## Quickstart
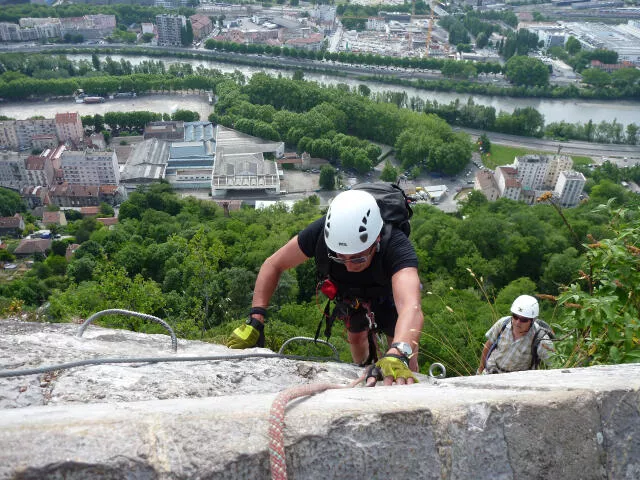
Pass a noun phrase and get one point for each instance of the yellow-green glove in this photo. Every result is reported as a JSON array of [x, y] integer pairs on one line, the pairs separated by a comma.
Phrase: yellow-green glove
[[249, 335], [393, 366]]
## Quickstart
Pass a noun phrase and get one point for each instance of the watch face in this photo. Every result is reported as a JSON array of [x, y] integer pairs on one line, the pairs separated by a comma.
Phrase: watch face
[[404, 348]]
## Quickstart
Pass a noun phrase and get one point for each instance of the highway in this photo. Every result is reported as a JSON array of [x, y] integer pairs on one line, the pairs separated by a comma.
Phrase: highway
[[594, 150]]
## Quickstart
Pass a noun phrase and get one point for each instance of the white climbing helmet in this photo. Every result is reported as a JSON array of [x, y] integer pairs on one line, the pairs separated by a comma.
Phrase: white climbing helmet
[[353, 222], [525, 306]]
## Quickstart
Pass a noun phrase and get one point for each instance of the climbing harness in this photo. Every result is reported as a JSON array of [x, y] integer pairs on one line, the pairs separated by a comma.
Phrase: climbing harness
[[344, 309]]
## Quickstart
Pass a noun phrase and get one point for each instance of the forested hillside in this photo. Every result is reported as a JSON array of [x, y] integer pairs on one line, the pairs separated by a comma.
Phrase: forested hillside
[[183, 260]]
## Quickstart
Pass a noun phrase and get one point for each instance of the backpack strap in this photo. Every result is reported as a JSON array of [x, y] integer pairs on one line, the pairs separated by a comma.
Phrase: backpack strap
[[542, 329], [494, 345]]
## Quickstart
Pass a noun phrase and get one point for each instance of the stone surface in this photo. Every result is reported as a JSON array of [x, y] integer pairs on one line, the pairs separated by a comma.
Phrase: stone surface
[[209, 420]]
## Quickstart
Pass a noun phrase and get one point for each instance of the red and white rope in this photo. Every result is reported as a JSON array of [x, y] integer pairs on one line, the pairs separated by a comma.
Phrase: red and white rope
[[276, 422]]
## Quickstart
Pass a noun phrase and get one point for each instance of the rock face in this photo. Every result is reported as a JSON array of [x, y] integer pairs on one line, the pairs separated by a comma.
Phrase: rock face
[[209, 419]]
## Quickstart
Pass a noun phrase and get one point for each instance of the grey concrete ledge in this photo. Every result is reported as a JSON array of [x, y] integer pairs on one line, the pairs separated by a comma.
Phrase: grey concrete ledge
[[209, 420], [570, 424]]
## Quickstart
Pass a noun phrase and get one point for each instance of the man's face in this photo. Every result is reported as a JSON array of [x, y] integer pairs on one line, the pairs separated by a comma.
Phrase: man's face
[[356, 262], [520, 324]]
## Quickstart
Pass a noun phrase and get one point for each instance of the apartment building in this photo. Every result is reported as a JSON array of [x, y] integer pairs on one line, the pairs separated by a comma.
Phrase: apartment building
[[532, 175], [39, 170], [46, 27], [486, 183], [67, 195], [41, 133], [13, 173], [376, 23], [531, 170], [27, 129], [508, 183], [89, 26], [8, 135], [69, 127], [170, 29], [35, 196], [42, 142], [90, 168], [557, 164], [569, 188]]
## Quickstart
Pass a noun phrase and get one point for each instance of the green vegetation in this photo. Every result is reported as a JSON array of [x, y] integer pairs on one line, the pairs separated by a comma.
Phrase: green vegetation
[[10, 203], [185, 261]]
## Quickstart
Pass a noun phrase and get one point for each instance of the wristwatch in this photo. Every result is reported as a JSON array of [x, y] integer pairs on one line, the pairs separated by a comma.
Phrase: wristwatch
[[255, 323], [404, 348]]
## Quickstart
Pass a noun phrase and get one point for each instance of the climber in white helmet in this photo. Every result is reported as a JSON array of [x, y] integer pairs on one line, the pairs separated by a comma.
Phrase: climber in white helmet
[[369, 271], [517, 342]]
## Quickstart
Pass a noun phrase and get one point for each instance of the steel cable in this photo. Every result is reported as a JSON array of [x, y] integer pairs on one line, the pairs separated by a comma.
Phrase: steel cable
[[103, 361]]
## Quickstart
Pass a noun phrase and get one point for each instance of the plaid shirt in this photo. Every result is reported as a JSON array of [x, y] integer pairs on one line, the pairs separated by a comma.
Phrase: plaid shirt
[[512, 355]]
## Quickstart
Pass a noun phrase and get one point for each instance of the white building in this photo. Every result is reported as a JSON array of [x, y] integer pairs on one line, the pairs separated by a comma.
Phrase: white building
[[90, 168], [508, 183], [624, 39], [376, 23], [557, 164], [531, 170], [569, 188]]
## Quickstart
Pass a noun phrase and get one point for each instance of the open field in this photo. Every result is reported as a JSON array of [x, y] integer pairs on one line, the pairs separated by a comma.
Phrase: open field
[[504, 155]]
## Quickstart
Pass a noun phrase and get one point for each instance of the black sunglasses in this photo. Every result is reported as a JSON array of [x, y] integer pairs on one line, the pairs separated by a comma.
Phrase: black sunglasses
[[521, 319]]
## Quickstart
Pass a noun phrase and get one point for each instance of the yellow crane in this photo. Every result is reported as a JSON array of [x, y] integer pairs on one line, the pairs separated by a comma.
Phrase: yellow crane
[[428, 42]]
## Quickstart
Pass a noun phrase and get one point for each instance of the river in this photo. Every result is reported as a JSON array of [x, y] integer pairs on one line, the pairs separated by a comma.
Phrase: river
[[570, 111]]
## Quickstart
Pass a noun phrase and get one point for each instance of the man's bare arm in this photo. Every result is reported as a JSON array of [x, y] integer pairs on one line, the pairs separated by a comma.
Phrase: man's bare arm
[[288, 256], [406, 296]]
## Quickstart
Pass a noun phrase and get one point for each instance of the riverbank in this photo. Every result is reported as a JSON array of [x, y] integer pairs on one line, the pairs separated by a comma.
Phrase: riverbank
[[389, 74]]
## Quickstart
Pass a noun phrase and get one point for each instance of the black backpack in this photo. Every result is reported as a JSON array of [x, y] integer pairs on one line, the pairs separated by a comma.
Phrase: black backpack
[[543, 327], [395, 210], [395, 205]]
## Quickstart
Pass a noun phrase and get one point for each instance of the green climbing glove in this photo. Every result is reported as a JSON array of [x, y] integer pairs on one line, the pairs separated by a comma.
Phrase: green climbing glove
[[394, 366], [249, 335]]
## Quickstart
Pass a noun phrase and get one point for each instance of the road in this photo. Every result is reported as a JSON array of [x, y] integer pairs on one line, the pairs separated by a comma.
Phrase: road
[[573, 147]]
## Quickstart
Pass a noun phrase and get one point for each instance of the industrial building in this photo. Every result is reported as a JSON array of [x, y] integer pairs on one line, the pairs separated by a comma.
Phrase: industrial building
[[240, 164], [624, 39]]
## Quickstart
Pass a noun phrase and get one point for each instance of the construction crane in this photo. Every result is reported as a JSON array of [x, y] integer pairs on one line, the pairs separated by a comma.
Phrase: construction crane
[[428, 42]]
